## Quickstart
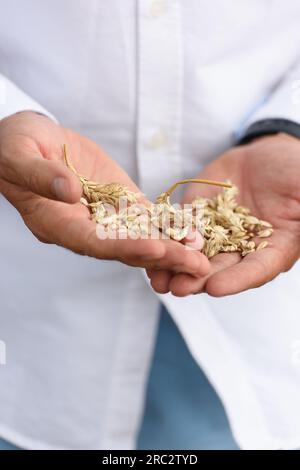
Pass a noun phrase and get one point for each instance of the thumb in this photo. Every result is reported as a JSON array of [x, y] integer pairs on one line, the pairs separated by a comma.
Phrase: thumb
[[47, 178], [194, 240]]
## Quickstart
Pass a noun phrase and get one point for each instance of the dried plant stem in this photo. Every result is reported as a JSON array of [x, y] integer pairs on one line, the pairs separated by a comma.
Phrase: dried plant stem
[[70, 165], [67, 161], [164, 198], [196, 180]]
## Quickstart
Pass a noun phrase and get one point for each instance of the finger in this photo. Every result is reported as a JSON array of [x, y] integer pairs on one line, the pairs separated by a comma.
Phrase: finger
[[178, 259], [253, 271], [80, 235], [76, 231], [149, 272], [27, 169], [160, 281], [194, 240], [182, 285], [256, 268]]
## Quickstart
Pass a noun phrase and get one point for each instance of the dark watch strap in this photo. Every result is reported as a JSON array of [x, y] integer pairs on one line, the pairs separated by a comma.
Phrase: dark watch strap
[[269, 127]]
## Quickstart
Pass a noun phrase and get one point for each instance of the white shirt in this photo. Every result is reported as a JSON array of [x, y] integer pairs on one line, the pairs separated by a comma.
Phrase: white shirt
[[164, 86]]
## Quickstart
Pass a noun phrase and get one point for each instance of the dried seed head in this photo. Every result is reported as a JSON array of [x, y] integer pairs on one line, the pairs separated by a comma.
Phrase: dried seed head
[[225, 225], [163, 198], [108, 193]]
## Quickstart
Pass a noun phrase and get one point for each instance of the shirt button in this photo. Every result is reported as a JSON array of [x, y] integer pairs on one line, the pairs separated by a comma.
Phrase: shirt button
[[157, 140], [157, 8]]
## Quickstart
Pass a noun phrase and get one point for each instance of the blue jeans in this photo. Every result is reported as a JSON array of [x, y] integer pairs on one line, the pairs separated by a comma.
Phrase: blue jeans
[[4, 445], [182, 409]]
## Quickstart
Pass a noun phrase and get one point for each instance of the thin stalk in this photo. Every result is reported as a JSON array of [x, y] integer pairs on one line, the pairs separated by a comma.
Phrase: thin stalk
[[67, 160], [195, 180]]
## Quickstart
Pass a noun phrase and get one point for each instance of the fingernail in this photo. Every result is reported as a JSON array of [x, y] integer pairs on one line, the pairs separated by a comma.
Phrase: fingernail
[[60, 189]]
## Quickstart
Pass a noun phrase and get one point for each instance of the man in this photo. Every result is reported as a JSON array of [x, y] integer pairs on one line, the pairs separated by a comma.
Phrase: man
[[160, 90]]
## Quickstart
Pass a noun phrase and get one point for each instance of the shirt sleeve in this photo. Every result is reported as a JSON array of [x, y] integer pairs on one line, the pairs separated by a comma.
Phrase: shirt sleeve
[[13, 100], [282, 103]]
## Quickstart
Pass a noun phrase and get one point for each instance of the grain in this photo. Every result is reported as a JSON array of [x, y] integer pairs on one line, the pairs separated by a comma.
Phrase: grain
[[262, 245], [225, 225]]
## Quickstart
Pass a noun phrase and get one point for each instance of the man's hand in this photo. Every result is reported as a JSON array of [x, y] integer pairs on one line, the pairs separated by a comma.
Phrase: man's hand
[[267, 172], [34, 178]]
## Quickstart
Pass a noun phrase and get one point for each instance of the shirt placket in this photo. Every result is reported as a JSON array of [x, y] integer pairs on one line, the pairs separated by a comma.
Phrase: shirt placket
[[159, 94]]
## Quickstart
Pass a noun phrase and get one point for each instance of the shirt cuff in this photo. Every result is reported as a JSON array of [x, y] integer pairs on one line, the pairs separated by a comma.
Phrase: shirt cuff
[[14, 100], [269, 127]]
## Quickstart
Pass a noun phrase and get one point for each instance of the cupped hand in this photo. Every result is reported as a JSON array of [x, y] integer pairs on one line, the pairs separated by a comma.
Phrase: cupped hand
[[267, 173], [35, 180]]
